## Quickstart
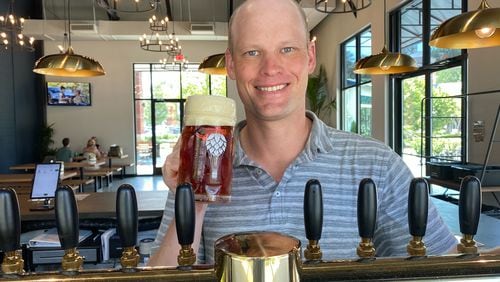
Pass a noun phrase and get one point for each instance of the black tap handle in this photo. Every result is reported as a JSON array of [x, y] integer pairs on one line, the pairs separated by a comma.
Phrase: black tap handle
[[67, 220], [126, 215], [418, 203], [184, 214], [10, 221], [313, 210], [367, 208], [469, 205]]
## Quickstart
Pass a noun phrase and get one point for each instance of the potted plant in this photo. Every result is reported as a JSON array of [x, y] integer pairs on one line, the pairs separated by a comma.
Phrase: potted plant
[[317, 94], [45, 143]]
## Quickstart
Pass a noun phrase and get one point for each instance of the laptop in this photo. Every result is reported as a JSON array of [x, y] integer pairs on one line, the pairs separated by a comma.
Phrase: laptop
[[45, 183]]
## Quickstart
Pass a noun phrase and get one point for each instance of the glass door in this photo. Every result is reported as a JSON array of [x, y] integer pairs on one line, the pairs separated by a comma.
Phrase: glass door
[[167, 129]]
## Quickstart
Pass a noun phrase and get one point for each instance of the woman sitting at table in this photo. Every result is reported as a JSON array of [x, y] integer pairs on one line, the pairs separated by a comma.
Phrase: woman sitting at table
[[92, 148]]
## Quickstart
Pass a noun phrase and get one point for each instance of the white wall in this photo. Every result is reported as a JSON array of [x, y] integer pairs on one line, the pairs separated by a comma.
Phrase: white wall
[[111, 116]]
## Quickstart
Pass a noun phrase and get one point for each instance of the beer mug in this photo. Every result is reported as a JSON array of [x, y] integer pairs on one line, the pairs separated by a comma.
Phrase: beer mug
[[206, 153]]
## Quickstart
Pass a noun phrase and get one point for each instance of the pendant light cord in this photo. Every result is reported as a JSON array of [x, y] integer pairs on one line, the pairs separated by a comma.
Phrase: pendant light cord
[[69, 23], [385, 25]]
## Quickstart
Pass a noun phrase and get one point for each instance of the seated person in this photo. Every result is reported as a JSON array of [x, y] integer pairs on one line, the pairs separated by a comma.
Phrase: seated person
[[65, 154], [92, 148]]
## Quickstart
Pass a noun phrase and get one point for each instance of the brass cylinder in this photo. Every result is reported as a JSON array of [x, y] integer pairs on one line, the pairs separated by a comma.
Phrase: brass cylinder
[[365, 248], [257, 256], [186, 256], [12, 263], [467, 245], [416, 247], [313, 251], [129, 258], [71, 261]]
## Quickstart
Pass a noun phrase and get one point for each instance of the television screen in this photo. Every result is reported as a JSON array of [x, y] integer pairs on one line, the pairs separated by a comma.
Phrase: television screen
[[68, 94]]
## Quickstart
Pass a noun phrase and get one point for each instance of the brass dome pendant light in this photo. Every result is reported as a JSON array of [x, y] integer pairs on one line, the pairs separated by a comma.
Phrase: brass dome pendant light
[[385, 62], [214, 64], [67, 63], [475, 29]]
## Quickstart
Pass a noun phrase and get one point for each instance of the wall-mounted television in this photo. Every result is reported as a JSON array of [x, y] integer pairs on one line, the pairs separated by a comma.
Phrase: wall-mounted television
[[68, 94]]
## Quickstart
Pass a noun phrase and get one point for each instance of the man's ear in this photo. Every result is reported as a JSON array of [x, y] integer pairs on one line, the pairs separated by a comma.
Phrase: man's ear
[[229, 64], [311, 51]]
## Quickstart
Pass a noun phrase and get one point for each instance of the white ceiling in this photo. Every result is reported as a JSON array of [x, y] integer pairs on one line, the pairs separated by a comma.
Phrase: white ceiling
[[132, 25]]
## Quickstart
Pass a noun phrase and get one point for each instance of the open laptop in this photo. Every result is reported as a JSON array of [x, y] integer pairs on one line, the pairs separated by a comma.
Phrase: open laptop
[[45, 183]]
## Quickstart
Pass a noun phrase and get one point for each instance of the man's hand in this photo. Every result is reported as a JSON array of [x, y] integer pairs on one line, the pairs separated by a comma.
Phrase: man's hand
[[170, 168]]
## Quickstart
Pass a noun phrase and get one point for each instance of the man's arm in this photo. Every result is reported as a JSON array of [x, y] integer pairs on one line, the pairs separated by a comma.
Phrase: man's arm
[[166, 255]]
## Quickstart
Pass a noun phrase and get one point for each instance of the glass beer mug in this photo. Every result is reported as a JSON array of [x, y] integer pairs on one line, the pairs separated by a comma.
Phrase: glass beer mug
[[206, 154]]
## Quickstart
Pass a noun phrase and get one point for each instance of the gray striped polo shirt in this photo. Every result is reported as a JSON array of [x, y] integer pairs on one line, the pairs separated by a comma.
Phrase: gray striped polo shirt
[[339, 160]]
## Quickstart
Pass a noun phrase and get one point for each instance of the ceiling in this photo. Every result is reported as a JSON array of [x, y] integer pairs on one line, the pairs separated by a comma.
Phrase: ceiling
[[106, 23]]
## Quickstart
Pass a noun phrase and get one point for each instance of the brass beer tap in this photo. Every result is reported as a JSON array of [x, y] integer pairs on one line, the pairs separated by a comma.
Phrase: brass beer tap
[[367, 216], [313, 219], [469, 210], [127, 226], [68, 229], [418, 203], [10, 233], [185, 223]]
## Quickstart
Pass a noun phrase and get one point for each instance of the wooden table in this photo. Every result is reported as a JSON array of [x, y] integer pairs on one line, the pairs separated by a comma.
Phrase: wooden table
[[110, 159], [28, 177], [22, 182], [67, 165], [100, 205]]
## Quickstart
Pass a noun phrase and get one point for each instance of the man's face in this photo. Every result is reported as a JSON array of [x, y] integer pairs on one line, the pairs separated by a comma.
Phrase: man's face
[[271, 60]]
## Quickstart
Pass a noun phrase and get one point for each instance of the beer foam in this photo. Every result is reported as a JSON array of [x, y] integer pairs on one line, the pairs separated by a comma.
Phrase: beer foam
[[209, 110]]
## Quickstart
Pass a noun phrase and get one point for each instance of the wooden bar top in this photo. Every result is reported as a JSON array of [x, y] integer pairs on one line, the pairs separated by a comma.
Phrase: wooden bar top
[[98, 205]]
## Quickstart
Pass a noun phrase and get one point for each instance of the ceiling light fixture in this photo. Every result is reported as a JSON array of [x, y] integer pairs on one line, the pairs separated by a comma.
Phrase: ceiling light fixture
[[341, 6], [385, 62], [11, 31], [158, 42], [179, 59], [67, 63], [474, 29]]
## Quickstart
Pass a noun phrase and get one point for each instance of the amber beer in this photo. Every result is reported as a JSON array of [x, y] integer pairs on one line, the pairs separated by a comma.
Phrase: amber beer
[[207, 147]]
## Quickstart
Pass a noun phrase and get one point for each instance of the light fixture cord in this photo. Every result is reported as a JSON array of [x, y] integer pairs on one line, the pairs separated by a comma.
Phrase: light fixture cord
[[385, 25], [69, 23]]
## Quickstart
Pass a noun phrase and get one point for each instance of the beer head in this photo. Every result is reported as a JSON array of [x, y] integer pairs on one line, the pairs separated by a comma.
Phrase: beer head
[[209, 110]]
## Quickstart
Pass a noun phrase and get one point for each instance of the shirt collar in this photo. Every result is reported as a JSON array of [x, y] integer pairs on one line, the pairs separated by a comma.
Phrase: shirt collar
[[319, 142]]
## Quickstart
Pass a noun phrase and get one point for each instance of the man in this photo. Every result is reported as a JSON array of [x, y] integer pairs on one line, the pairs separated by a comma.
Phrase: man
[[65, 154], [280, 146]]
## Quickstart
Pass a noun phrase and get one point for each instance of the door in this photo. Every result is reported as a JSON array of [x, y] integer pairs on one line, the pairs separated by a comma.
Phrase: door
[[167, 130]]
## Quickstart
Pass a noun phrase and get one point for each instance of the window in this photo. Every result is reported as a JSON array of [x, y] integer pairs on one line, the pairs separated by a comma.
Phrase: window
[[429, 124], [356, 90], [159, 95]]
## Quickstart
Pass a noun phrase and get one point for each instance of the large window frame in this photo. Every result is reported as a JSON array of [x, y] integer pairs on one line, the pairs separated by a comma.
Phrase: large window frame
[[355, 96], [431, 62], [172, 100]]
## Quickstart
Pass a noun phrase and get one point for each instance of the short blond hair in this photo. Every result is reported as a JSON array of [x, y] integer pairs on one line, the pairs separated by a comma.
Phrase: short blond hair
[[236, 12]]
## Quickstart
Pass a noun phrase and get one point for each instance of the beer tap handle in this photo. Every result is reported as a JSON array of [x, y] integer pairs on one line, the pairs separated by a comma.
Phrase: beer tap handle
[[418, 203], [367, 216], [469, 210], [185, 223], [313, 218], [10, 232], [67, 222], [126, 215]]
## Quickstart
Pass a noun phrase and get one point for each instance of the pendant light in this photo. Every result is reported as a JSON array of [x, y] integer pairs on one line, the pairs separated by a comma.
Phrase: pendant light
[[475, 29], [67, 63], [385, 62], [214, 64]]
